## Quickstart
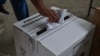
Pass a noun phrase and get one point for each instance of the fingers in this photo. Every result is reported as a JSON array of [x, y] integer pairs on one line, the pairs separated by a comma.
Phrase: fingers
[[50, 19], [53, 17]]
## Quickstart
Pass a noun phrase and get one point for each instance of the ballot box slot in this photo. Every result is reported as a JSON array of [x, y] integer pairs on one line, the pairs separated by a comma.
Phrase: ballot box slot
[[66, 17], [42, 31]]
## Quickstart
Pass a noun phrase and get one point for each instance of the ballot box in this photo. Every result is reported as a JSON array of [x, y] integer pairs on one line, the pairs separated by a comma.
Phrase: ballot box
[[72, 37]]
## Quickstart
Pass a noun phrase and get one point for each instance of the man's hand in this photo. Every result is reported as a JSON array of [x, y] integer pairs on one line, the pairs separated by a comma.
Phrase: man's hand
[[53, 17], [43, 10]]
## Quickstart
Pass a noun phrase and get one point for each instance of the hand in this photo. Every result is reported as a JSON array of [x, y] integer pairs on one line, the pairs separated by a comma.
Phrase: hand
[[43, 10], [53, 17]]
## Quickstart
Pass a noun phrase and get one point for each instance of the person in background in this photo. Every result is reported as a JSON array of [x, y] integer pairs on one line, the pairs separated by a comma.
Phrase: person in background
[[21, 9]]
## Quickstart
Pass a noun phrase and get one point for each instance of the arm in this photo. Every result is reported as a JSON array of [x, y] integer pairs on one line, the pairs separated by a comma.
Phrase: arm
[[53, 17]]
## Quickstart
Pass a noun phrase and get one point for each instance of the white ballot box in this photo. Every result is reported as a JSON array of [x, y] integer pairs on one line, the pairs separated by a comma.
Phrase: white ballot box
[[71, 38]]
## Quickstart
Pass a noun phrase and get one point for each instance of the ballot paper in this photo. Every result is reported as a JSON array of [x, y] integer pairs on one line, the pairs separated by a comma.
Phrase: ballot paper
[[62, 13]]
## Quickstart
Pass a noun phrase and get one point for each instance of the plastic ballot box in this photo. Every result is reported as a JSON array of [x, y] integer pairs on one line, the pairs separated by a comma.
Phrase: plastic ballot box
[[72, 37]]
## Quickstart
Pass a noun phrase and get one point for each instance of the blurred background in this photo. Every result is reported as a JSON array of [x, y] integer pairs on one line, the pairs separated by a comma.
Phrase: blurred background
[[76, 7]]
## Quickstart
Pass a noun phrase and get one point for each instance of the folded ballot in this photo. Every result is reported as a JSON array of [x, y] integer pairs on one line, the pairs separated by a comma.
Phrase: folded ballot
[[62, 13]]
